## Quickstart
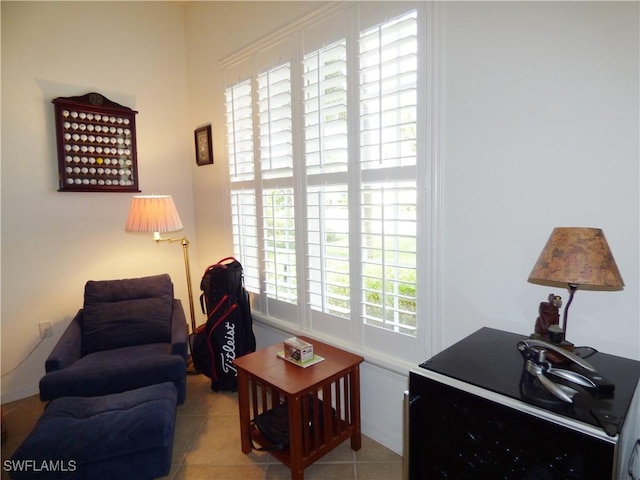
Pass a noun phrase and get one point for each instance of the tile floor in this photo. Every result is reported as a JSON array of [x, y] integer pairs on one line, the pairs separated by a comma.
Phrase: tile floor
[[207, 444]]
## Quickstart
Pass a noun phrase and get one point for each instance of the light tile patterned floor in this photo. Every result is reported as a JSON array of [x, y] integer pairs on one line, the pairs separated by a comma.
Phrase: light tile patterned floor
[[207, 444]]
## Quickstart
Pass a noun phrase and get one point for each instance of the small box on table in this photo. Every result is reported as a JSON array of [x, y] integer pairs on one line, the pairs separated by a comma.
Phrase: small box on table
[[298, 350]]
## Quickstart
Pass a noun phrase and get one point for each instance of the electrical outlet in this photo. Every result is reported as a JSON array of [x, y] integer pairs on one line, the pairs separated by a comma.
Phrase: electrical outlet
[[46, 330]]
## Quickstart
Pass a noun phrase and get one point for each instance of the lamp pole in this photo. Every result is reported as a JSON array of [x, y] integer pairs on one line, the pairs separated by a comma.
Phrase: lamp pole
[[572, 290], [185, 251]]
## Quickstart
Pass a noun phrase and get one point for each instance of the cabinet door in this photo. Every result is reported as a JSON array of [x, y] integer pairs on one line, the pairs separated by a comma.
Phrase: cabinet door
[[456, 435]]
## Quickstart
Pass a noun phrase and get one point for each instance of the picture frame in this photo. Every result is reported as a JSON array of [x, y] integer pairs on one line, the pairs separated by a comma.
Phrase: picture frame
[[204, 149]]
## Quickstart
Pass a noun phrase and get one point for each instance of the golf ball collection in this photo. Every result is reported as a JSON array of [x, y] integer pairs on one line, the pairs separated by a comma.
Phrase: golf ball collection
[[97, 148]]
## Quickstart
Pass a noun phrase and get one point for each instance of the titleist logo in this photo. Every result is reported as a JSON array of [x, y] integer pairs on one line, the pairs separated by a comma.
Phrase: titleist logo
[[228, 353]]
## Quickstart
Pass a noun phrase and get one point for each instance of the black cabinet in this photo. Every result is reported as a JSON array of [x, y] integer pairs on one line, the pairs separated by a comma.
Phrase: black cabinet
[[468, 418]]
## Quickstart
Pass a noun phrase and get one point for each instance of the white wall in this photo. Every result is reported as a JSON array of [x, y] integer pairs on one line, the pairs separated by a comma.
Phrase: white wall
[[541, 130], [53, 242]]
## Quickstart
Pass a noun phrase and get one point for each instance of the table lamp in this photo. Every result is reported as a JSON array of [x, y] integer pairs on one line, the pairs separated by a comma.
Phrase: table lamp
[[157, 214], [576, 257]]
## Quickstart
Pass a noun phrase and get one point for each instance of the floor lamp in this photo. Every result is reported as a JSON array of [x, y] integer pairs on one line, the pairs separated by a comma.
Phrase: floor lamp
[[157, 214]]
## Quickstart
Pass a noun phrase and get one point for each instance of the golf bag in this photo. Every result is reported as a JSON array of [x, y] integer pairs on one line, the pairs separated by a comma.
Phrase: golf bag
[[228, 331]]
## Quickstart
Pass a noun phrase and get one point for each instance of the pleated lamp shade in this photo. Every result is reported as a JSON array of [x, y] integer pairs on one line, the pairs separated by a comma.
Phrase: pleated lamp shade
[[153, 213]]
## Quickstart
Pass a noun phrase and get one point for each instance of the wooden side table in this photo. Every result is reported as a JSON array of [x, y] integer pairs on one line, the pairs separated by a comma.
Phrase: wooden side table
[[264, 381]]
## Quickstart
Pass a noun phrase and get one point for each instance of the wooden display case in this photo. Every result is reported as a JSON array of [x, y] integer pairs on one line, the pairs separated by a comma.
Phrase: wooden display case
[[96, 145]]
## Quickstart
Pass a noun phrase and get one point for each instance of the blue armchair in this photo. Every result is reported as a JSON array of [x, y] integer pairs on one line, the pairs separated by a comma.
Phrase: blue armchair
[[129, 334]]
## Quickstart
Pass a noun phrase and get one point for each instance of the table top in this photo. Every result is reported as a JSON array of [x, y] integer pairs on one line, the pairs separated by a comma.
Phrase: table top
[[292, 379]]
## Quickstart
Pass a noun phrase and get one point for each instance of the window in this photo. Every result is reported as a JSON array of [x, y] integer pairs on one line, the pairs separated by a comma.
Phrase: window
[[328, 250], [389, 256], [278, 229], [324, 161], [388, 145]]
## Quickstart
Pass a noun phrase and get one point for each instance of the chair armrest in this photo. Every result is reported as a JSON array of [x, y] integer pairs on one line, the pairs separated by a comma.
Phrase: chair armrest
[[69, 347], [178, 330]]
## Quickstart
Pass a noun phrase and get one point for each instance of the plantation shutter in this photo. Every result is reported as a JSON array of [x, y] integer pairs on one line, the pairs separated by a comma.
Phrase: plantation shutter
[[324, 160], [240, 149], [388, 71]]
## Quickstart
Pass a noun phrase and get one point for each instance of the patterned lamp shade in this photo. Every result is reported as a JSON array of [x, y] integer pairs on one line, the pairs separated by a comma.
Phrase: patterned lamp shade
[[577, 256]]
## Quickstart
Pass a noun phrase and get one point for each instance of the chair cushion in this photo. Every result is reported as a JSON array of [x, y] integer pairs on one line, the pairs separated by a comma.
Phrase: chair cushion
[[120, 313], [124, 435], [116, 370]]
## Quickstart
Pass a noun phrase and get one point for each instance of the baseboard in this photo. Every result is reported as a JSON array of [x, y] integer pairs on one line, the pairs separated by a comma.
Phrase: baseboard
[[19, 394], [391, 440]]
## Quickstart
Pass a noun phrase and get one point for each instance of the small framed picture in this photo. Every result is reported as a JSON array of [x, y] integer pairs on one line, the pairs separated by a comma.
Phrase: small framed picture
[[204, 150]]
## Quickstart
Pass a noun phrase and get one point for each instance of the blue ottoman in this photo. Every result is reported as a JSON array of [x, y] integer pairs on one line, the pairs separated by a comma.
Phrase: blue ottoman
[[126, 435]]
